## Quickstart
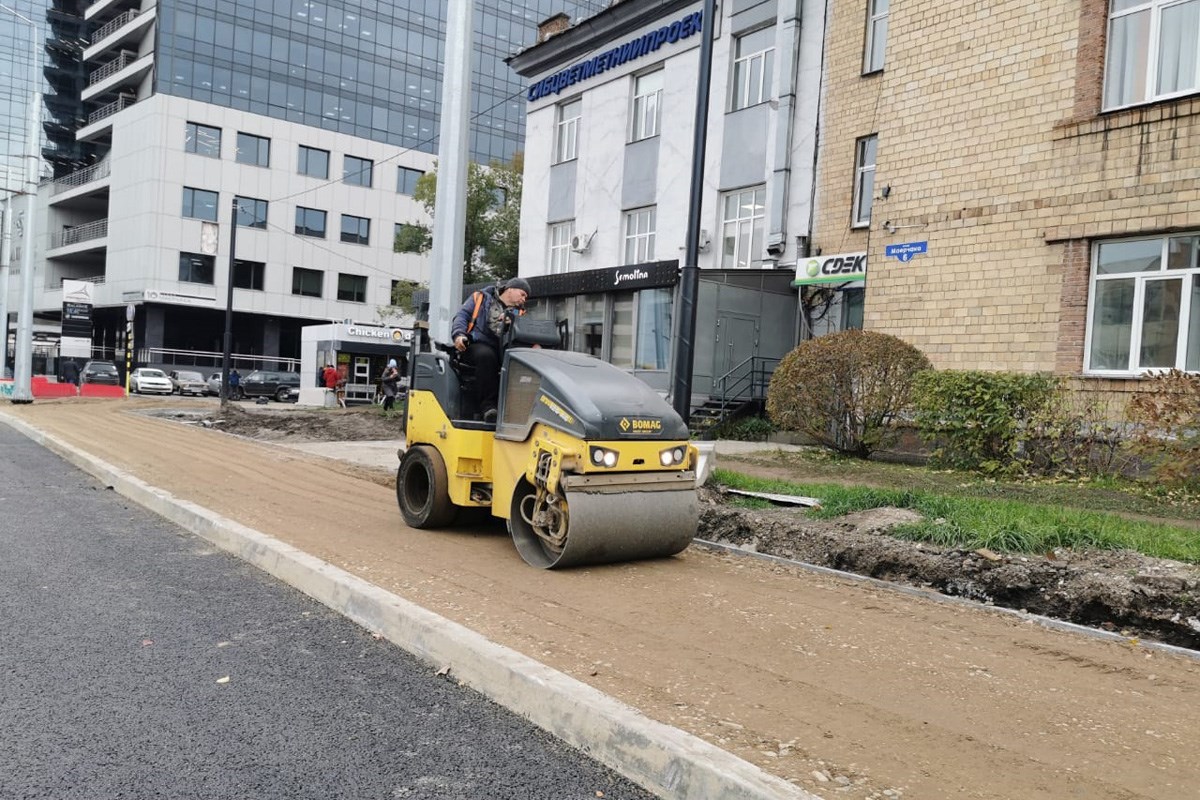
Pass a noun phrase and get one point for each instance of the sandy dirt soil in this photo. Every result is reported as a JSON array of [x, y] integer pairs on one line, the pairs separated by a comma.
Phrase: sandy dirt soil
[[847, 689]]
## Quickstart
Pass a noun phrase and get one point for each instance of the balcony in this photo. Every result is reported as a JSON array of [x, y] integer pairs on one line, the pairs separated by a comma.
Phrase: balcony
[[102, 8], [125, 71], [113, 25], [123, 60], [104, 112], [82, 177], [126, 30], [79, 234]]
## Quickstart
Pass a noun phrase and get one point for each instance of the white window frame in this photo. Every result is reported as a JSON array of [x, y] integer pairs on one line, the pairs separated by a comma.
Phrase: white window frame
[[639, 230], [566, 131], [864, 180], [646, 114], [1189, 274], [752, 79], [747, 224], [559, 237], [1139, 61], [874, 49]]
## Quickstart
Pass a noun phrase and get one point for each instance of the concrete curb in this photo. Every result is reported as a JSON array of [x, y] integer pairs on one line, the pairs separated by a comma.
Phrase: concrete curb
[[658, 757]]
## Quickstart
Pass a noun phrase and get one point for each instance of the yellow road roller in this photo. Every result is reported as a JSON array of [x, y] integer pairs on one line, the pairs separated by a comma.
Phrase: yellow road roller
[[586, 463]]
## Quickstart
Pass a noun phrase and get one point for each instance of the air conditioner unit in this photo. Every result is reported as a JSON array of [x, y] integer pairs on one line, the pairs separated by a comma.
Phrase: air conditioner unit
[[581, 243]]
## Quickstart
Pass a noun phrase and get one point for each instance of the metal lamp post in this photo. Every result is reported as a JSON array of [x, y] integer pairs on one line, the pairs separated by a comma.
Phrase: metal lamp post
[[22, 375]]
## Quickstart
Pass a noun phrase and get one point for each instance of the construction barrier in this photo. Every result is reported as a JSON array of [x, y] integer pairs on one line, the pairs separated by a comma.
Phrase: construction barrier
[[44, 389]]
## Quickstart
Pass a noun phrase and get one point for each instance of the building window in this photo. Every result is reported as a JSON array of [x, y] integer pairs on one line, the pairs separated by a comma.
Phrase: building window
[[754, 55], [307, 282], [199, 204], [357, 171], [352, 288], [356, 230], [1145, 305], [1153, 51], [864, 180], [248, 274], [653, 329], [254, 150], [742, 228], [203, 140], [251, 213], [406, 180], [313, 162], [561, 235], [196, 268], [310, 222], [410, 238], [639, 235], [877, 25], [647, 101], [566, 138]]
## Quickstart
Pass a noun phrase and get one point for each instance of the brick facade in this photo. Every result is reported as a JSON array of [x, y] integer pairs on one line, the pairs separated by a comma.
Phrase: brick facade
[[995, 152]]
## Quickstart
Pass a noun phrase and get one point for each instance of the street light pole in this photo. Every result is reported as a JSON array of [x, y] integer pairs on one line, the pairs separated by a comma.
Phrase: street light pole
[[227, 349], [22, 375], [450, 202], [5, 254]]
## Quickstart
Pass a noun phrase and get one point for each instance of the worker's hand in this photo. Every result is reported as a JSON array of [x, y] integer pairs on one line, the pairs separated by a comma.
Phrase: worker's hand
[[460, 343]]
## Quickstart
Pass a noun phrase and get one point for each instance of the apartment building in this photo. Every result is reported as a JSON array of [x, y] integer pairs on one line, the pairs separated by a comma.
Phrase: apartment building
[[1023, 180], [315, 118], [609, 146]]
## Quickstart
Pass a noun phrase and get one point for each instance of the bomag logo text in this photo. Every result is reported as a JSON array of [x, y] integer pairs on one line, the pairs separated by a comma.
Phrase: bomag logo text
[[638, 425], [558, 410]]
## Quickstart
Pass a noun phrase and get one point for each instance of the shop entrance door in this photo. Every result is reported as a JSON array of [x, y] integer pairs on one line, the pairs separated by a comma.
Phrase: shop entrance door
[[737, 340]]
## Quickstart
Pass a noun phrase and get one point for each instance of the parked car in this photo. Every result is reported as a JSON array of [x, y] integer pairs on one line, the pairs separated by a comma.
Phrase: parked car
[[188, 382], [100, 372], [214, 384], [283, 386], [147, 380]]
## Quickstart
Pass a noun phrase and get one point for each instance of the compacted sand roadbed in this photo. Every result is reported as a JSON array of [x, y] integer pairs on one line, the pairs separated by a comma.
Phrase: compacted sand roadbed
[[846, 689]]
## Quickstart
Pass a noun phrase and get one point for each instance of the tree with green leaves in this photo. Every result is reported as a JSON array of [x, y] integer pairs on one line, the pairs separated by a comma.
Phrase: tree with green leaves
[[493, 225]]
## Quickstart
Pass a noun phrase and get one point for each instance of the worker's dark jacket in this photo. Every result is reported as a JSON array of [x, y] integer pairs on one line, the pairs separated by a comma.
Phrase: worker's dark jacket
[[479, 332]]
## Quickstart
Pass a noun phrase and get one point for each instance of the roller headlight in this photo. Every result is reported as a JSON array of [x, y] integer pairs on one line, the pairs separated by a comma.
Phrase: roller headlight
[[603, 457], [673, 457]]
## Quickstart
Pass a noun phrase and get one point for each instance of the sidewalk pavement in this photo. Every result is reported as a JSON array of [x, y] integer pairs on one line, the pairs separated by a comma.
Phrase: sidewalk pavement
[[668, 761], [383, 454]]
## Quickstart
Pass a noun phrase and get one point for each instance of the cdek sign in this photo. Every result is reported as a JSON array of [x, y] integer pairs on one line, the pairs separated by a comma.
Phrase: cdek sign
[[840, 268]]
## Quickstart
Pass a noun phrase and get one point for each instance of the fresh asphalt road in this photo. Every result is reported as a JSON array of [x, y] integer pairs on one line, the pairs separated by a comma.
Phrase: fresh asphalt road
[[139, 662]]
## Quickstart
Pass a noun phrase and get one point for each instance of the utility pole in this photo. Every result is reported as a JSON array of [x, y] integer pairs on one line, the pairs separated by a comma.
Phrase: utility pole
[[5, 256], [22, 375], [450, 203], [227, 352], [684, 356]]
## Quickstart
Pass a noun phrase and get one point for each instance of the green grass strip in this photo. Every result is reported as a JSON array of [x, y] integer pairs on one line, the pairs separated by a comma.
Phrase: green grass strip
[[1000, 525]]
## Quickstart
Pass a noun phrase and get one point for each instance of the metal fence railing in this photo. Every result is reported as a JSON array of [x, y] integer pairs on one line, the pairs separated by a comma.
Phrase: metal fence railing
[[80, 233]]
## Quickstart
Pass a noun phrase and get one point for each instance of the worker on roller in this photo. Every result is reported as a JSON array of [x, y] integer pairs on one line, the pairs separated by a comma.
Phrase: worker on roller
[[478, 329]]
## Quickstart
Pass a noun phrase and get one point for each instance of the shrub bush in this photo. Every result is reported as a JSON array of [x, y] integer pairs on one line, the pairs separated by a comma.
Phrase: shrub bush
[[745, 429], [844, 390], [975, 420], [1075, 434], [1166, 415]]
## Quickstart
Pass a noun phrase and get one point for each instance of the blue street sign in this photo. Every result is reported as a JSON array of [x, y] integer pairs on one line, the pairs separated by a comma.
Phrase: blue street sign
[[906, 251]]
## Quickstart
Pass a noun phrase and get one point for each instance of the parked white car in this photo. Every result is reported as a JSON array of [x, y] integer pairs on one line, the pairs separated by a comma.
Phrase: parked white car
[[147, 380], [214, 384], [189, 382]]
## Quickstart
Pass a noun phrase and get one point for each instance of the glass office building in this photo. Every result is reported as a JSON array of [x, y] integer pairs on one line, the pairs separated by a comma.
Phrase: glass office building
[[371, 70], [15, 88]]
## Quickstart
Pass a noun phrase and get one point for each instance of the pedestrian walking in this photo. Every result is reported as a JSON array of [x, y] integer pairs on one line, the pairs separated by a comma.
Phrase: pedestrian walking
[[391, 384], [70, 372]]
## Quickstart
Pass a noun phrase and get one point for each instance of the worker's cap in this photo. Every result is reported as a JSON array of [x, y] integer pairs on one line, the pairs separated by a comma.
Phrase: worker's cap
[[518, 283]]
